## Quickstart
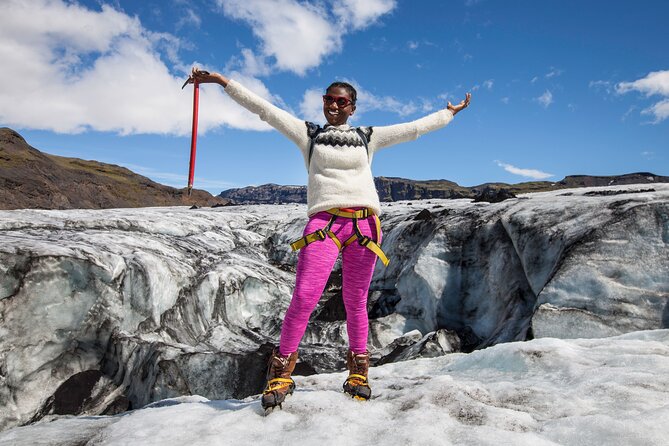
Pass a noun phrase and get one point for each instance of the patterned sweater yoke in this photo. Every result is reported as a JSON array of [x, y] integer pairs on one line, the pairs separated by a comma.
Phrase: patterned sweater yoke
[[339, 170], [339, 136]]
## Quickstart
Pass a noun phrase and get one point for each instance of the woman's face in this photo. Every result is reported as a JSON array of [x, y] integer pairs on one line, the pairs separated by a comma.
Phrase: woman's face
[[337, 106]]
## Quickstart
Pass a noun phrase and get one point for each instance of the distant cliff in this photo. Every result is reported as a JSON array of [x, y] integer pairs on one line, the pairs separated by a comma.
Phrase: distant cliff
[[30, 179], [266, 194], [397, 189]]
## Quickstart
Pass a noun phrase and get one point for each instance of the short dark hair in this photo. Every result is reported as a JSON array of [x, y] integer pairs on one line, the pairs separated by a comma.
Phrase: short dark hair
[[348, 87]]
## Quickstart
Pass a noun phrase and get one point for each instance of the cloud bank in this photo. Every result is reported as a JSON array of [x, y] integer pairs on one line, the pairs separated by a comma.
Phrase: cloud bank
[[71, 69]]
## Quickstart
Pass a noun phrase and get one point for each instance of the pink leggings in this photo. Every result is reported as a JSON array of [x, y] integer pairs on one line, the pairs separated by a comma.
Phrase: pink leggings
[[314, 265]]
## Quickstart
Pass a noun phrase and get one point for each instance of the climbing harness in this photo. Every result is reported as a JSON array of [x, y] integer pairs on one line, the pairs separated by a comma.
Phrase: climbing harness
[[363, 240]]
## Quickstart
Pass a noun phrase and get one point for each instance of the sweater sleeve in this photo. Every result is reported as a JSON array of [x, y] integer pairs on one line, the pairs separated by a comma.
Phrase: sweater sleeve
[[293, 128], [386, 136]]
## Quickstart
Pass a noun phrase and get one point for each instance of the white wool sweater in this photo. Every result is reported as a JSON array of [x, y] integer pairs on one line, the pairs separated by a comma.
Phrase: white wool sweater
[[339, 173]]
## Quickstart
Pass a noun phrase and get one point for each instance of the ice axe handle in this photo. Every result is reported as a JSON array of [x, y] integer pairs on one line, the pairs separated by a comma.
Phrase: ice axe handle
[[193, 138]]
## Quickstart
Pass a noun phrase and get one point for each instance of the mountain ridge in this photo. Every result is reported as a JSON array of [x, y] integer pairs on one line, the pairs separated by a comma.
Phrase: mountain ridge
[[398, 189], [31, 179]]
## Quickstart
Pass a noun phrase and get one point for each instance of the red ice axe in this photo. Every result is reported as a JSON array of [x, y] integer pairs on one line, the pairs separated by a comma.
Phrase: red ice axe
[[193, 137]]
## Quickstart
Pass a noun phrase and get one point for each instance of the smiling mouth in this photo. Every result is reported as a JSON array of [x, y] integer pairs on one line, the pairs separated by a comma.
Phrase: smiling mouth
[[333, 113]]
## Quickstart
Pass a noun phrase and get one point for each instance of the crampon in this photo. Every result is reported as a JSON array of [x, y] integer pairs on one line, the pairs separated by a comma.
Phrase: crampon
[[356, 384], [279, 383], [275, 393]]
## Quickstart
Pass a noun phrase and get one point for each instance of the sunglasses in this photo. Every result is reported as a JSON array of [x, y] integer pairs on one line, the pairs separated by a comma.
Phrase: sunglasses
[[340, 100]]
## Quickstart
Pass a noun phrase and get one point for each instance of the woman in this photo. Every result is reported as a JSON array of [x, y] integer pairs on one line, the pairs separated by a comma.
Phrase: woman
[[343, 208]]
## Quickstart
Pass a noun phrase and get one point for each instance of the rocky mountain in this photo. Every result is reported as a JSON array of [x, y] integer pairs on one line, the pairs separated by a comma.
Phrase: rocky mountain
[[397, 189], [266, 194], [32, 179], [102, 311]]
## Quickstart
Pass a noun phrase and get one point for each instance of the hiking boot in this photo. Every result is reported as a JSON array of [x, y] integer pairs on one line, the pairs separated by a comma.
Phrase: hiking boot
[[279, 382], [356, 384]]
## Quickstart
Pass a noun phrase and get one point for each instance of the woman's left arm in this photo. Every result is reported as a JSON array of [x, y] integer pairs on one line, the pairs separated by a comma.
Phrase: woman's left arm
[[386, 136]]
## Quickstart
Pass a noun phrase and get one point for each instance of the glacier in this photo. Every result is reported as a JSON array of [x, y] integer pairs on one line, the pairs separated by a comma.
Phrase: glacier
[[107, 311], [608, 391]]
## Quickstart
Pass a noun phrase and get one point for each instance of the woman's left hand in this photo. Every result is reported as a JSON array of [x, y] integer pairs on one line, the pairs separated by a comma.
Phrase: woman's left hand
[[205, 77], [462, 105]]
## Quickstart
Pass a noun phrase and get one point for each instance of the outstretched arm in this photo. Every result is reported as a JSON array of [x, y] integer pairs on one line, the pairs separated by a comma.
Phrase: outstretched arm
[[293, 128], [386, 136]]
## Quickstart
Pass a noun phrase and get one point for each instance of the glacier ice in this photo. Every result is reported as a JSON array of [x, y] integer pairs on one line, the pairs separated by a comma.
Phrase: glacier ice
[[139, 305], [548, 391]]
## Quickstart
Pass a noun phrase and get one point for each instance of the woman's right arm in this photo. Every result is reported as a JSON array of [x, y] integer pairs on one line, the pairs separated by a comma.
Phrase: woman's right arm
[[293, 128]]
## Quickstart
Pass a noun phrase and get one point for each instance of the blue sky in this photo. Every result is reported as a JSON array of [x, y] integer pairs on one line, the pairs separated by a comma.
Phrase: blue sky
[[558, 87]]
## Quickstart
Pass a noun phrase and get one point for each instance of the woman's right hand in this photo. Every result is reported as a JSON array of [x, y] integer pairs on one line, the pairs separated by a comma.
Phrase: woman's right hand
[[205, 77]]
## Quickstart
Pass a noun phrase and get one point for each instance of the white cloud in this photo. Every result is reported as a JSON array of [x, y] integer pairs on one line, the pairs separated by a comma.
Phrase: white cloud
[[427, 105], [554, 72], [254, 65], [545, 99], [505, 100], [660, 110], [368, 101], [299, 35], [655, 83], [74, 69], [311, 107], [412, 45], [362, 13], [486, 84], [189, 18], [628, 112], [601, 85], [529, 173]]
